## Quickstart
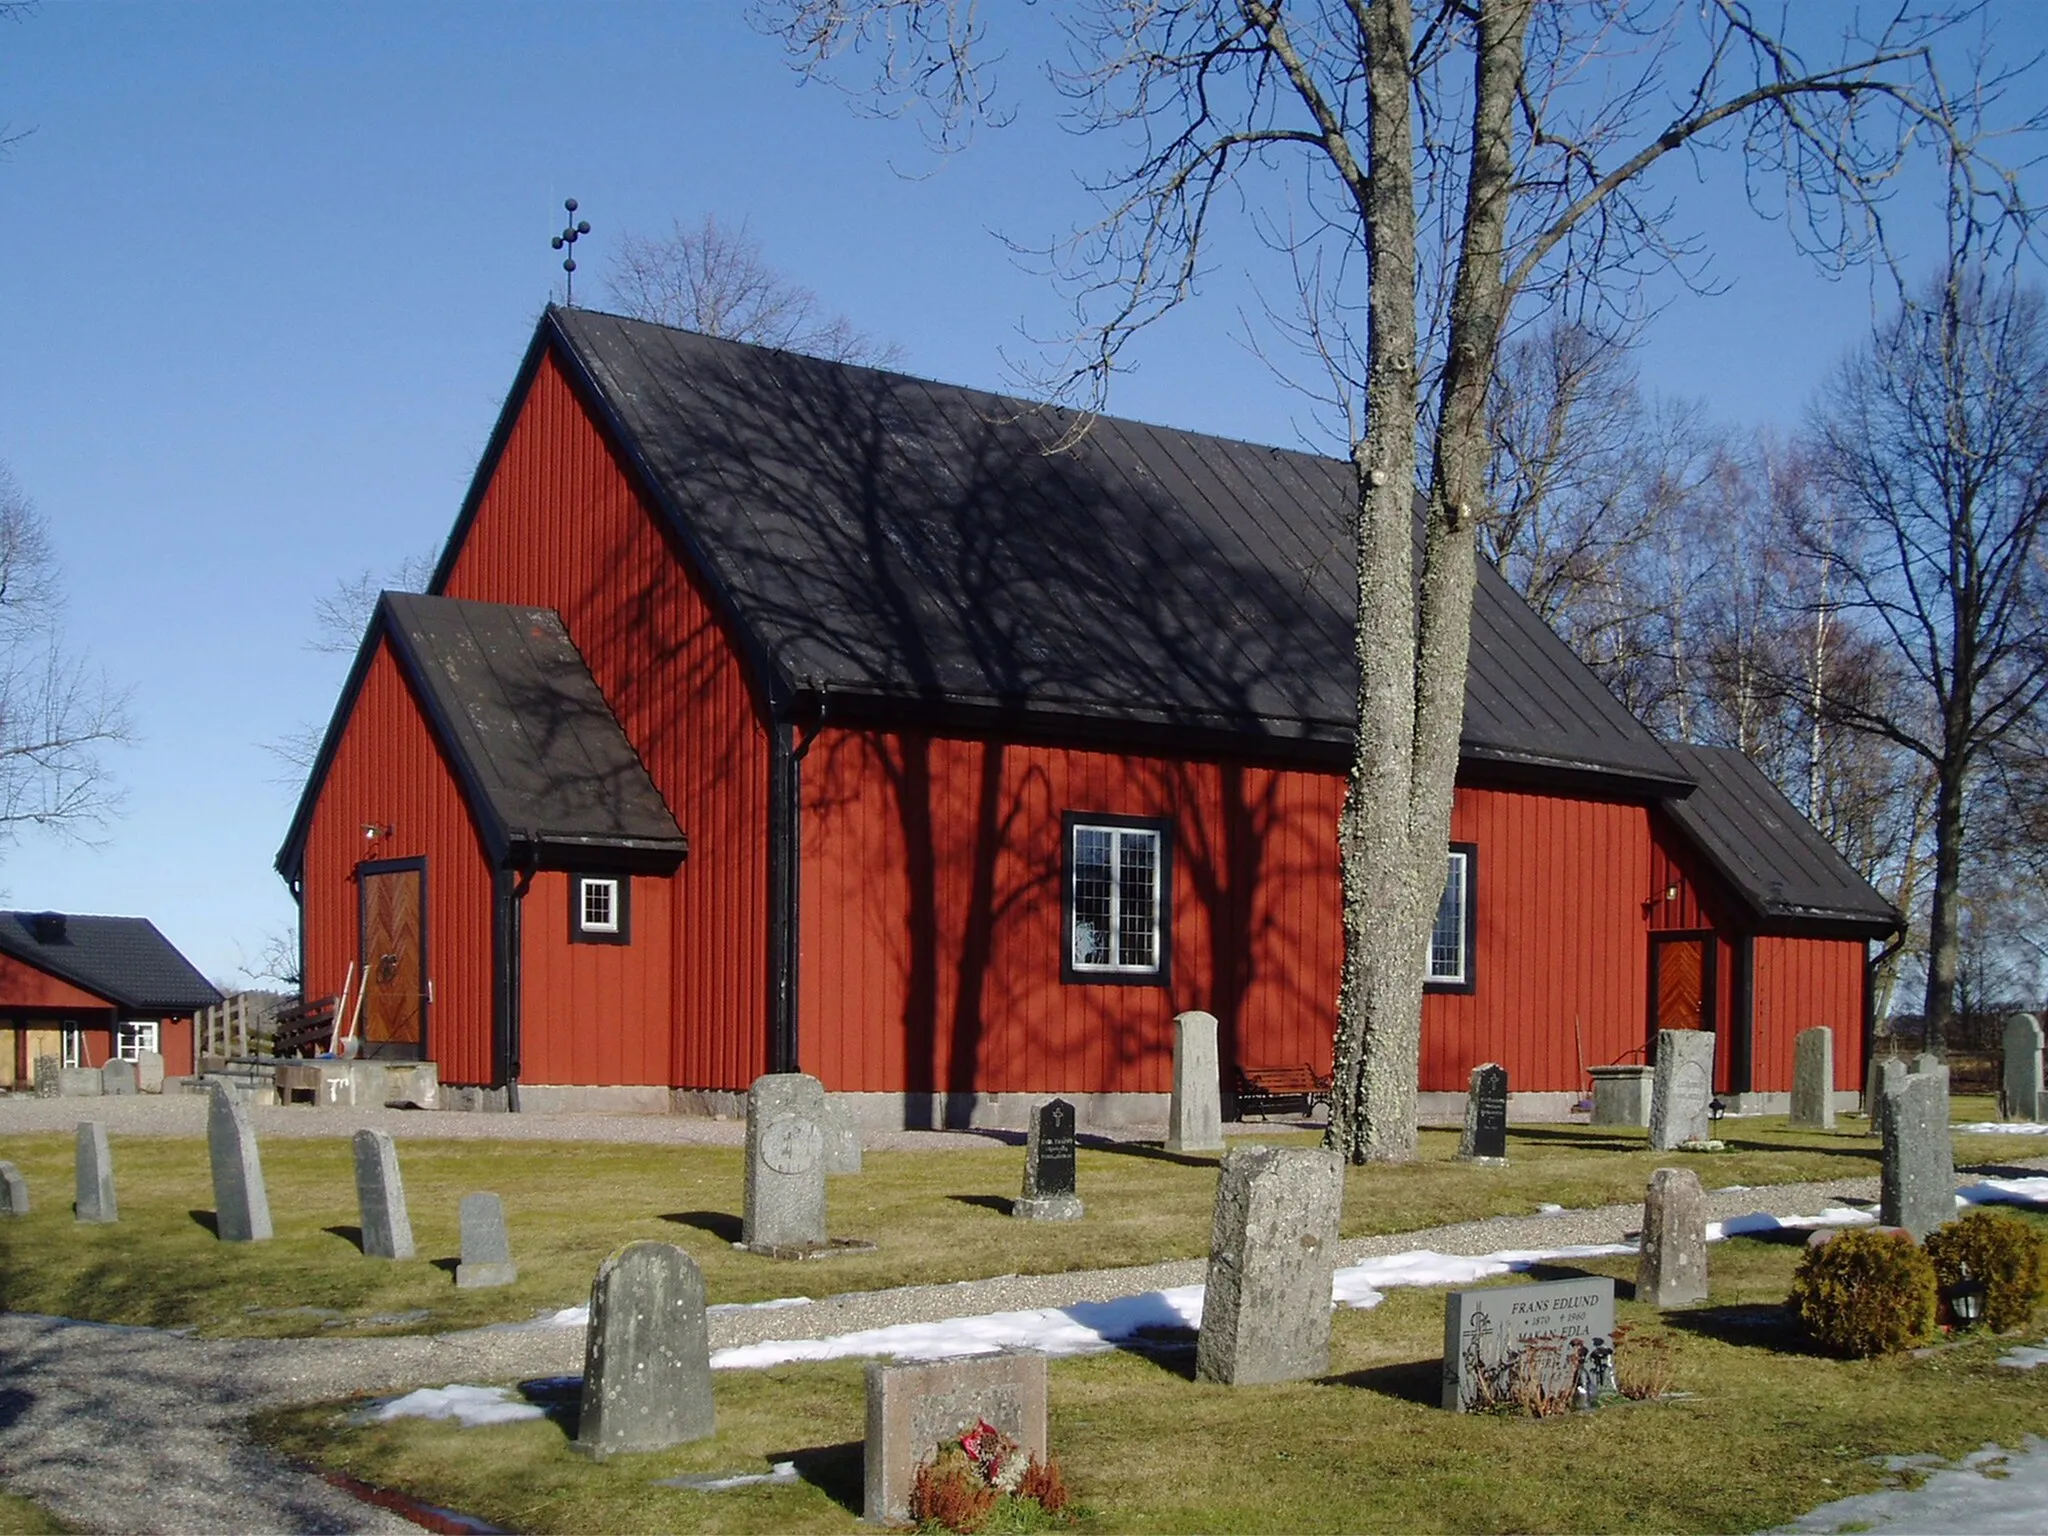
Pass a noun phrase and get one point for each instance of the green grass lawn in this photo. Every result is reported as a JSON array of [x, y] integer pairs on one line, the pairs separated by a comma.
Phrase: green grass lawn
[[25, 1517], [1764, 1431], [935, 1216]]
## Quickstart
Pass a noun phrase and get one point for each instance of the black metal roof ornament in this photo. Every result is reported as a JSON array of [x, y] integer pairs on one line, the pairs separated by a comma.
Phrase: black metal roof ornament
[[567, 240]]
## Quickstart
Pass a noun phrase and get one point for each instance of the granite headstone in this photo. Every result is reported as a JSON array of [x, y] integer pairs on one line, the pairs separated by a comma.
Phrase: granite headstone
[[380, 1195], [95, 1171], [1682, 1089], [149, 1071], [120, 1079], [913, 1409], [784, 1213], [13, 1191], [486, 1244], [1672, 1268], [1049, 1166], [2020, 1096], [1272, 1254], [1813, 1080], [1194, 1116], [241, 1205], [1553, 1331], [1917, 1181], [647, 1354], [1486, 1116], [49, 1077]]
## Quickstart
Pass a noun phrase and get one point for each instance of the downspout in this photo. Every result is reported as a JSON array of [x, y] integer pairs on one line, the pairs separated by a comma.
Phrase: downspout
[[1742, 1017], [785, 885], [510, 886]]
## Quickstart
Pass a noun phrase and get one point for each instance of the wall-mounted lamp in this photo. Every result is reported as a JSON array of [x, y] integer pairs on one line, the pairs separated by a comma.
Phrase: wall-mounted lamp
[[372, 830], [1671, 892]]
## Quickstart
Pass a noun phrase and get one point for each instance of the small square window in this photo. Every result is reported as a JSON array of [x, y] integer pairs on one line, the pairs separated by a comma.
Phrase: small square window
[[600, 909], [1451, 937], [133, 1038], [1119, 880]]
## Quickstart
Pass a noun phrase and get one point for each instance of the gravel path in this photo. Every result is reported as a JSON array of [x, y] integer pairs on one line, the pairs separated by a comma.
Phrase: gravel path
[[133, 1429]]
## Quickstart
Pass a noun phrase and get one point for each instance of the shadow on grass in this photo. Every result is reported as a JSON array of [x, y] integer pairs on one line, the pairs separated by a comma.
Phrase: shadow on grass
[[1863, 1148], [722, 1225], [834, 1470], [1412, 1381], [996, 1203], [1155, 1152], [207, 1219], [1764, 1325], [451, 1265], [348, 1235], [560, 1398], [1587, 1138]]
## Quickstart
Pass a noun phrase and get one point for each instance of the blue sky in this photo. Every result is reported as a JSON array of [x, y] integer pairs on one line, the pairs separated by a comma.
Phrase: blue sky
[[271, 268]]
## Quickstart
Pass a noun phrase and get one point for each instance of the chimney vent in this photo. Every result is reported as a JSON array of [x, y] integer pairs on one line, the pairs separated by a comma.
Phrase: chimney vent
[[48, 927]]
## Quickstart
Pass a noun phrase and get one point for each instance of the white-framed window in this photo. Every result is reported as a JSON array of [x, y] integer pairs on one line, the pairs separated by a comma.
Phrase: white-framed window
[[600, 909], [1118, 879], [1451, 936], [134, 1037], [74, 1044]]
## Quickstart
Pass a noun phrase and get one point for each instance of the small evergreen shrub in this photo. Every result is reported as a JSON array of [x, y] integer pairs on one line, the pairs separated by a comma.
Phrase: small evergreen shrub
[[1865, 1293], [2001, 1251]]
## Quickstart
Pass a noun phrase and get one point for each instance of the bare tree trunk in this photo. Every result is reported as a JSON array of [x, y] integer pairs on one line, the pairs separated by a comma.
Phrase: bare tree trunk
[[1943, 949]]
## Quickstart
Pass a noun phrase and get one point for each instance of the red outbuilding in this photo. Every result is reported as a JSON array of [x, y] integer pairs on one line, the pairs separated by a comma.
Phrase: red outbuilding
[[992, 747], [84, 990]]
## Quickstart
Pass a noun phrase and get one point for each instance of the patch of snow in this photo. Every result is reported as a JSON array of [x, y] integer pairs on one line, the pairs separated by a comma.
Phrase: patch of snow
[[1545, 1208], [1731, 1189], [1991, 1491], [2002, 1128], [1763, 1221], [2029, 1191], [2026, 1357], [468, 1406], [781, 1472]]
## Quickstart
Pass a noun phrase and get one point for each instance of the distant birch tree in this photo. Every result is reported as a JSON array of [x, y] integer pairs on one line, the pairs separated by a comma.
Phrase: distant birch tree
[[1428, 170]]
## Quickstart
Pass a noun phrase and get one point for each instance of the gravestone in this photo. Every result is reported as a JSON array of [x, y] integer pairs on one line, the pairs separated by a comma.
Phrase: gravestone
[[95, 1189], [13, 1191], [1551, 1330], [1194, 1118], [380, 1195], [1813, 1080], [486, 1246], [785, 1193], [78, 1082], [1682, 1088], [647, 1355], [1272, 1255], [1049, 1166], [1621, 1095], [49, 1076], [1486, 1117], [149, 1071], [842, 1137], [2020, 1096], [1672, 1269], [914, 1409], [241, 1205], [120, 1078], [1918, 1179]]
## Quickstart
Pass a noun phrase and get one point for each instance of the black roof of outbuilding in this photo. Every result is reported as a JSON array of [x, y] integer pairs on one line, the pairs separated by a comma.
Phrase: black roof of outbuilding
[[545, 765], [123, 959], [906, 546], [1774, 858]]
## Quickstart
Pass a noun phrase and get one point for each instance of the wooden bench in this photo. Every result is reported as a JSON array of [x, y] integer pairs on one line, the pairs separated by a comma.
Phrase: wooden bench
[[1266, 1091]]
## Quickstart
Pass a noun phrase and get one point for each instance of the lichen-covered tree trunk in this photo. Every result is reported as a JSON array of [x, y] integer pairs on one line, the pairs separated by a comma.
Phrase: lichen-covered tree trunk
[[1412, 658]]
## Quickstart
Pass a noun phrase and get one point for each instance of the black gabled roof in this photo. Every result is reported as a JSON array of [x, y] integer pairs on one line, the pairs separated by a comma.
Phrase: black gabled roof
[[123, 959], [1776, 860], [914, 545], [545, 766]]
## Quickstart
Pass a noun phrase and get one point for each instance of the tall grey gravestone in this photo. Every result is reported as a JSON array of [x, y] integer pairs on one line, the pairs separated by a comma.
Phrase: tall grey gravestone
[[1049, 1166], [1486, 1117], [486, 1245], [380, 1194], [13, 1191], [1813, 1080], [1194, 1119], [647, 1355], [785, 1193], [1272, 1255], [2020, 1096], [1682, 1088], [1672, 1269], [241, 1205], [1918, 1181], [95, 1166]]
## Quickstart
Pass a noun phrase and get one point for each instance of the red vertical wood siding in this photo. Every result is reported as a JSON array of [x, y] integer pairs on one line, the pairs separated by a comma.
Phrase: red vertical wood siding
[[26, 986], [595, 1013], [560, 525], [1801, 984], [932, 913], [388, 770]]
